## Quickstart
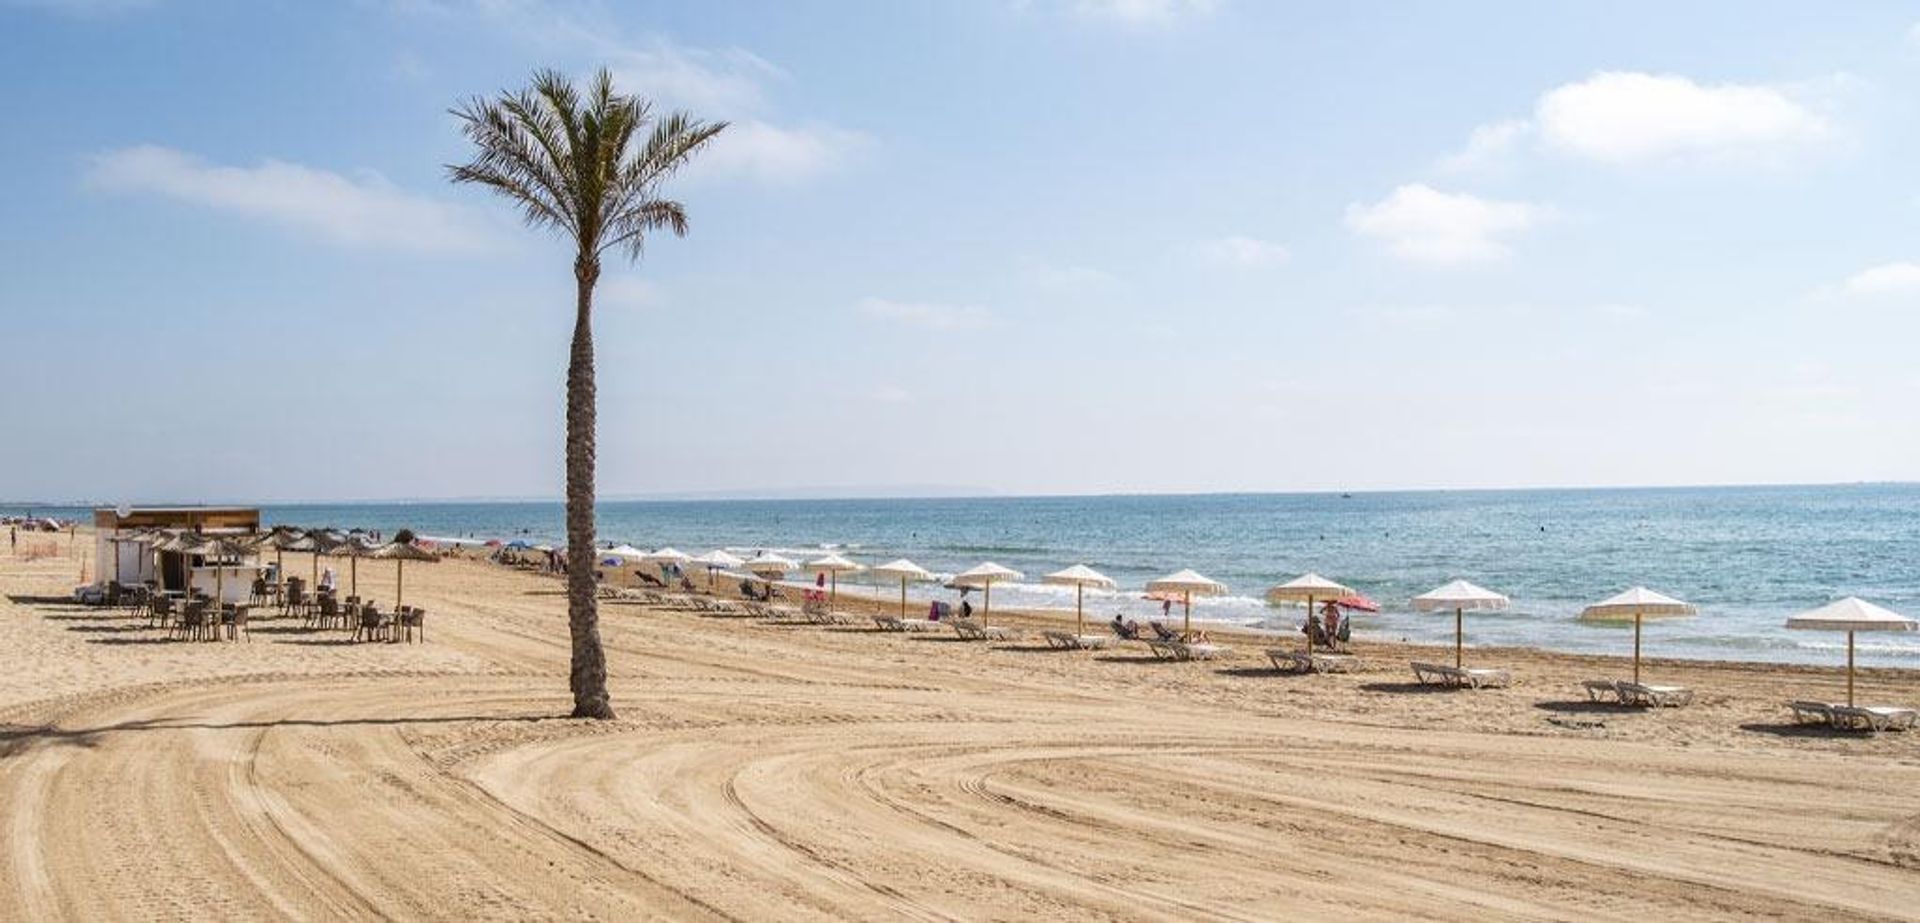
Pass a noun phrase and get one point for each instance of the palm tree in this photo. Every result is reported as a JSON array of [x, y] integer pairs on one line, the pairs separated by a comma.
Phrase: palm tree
[[590, 169]]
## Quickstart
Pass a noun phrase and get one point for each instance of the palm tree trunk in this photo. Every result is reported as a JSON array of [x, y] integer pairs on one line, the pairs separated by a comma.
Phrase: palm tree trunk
[[589, 674]]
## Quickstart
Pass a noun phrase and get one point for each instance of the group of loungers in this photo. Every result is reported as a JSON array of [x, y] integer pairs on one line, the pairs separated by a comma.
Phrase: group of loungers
[[1167, 645]]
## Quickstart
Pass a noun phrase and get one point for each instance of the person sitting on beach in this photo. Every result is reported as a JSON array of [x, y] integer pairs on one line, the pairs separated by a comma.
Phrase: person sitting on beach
[[1195, 637], [966, 608], [1163, 632], [1125, 628], [1316, 635]]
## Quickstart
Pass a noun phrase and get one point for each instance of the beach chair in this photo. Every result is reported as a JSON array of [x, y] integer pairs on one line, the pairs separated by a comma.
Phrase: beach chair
[[1600, 690], [1433, 674], [1303, 662], [1183, 650], [888, 623], [1805, 712], [161, 612], [970, 630], [234, 620], [410, 620], [1872, 718], [191, 625], [1068, 641], [1646, 695]]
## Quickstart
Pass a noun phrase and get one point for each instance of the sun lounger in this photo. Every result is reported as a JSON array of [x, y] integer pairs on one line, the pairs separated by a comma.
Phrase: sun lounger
[[1068, 641], [1651, 696], [1805, 712], [1872, 718], [1600, 690], [1302, 662], [1473, 678], [1182, 650], [889, 623], [970, 630]]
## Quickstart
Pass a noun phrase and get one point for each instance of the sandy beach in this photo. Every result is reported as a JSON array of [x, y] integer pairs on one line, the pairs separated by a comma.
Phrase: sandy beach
[[773, 771]]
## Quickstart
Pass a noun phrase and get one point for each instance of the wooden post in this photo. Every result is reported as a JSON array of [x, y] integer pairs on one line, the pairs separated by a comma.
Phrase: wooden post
[[1186, 626], [1849, 668], [1079, 608], [399, 581], [986, 603], [903, 596], [1310, 622], [1459, 639], [1636, 648]]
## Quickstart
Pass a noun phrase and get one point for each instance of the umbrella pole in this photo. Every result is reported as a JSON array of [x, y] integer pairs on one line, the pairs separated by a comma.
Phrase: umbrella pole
[[903, 596], [1849, 668], [1636, 648], [399, 582], [1310, 622], [353, 575], [986, 604], [1459, 639], [1079, 609], [1186, 626], [833, 589]]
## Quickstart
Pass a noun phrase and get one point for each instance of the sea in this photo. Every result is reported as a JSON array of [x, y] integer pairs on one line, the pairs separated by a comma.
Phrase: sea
[[1747, 557]]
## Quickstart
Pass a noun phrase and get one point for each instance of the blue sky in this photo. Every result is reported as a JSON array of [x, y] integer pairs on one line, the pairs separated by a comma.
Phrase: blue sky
[[1052, 246]]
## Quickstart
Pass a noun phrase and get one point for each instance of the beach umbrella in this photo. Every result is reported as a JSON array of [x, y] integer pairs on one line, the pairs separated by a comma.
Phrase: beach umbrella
[[1079, 577], [833, 565], [400, 553], [626, 552], [766, 562], [665, 558], [717, 560], [1308, 588], [1637, 604], [219, 549], [1850, 615], [1187, 584], [984, 576], [1459, 596], [353, 549], [905, 570]]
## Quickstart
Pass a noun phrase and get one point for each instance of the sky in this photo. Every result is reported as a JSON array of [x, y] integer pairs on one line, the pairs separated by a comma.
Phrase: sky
[[994, 246]]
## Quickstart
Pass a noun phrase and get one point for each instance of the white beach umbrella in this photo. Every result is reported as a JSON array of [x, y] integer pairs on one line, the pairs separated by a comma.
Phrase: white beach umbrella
[[666, 556], [1850, 615], [1308, 588], [717, 560], [766, 562], [626, 552], [1188, 584], [1459, 596], [985, 576], [400, 553], [833, 565], [1080, 577], [905, 570], [1637, 603]]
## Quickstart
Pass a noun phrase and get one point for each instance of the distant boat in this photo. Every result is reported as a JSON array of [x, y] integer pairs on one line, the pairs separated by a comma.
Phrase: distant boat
[[1346, 496]]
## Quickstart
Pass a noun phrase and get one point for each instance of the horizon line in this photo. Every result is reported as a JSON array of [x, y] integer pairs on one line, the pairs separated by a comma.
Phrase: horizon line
[[774, 495]]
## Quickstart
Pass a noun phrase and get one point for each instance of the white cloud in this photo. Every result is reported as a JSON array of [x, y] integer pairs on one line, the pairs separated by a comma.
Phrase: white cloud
[[1913, 34], [366, 211], [715, 80], [939, 317], [1627, 117], [1900, 278], [892, 394], [1621, 310], [1424, 225], [1488, 146], [757, 150], [1144, 12], [1243, 252], [1633, 117]]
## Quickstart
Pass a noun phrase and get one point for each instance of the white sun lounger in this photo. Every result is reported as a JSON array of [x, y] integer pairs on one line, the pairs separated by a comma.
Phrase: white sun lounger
[[1302, 662], [1068, 641], [1647, 695], [1182, 650], [1470, 677], [970, 630], [889, 623], [1805, 712], [1873, 718]]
